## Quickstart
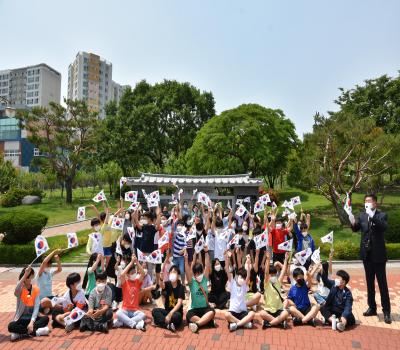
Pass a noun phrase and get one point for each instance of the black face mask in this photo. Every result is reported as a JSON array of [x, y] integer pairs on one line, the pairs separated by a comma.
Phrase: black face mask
[[300, 281]]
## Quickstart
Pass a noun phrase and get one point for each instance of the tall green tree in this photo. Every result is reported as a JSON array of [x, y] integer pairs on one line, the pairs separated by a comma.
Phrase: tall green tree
[[65, 137], [110, 173], [153, 123], [7, 174], [378, 99], [249, 138], [341, 154]]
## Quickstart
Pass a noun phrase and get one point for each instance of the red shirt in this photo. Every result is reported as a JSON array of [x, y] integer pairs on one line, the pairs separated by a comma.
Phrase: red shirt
[[277, 237], [130, 294], [161, 233]]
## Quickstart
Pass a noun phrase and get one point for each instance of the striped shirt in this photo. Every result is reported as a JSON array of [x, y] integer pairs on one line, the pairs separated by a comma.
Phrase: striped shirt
[[179, 243]]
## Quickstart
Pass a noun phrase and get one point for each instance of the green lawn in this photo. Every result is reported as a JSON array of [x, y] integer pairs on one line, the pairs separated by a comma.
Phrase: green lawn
[[58, 212]]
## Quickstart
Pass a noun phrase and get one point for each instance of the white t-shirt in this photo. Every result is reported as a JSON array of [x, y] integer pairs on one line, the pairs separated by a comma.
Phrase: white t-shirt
[[220, 246], [95, 245], [238, 296], [322, 290], [78, 299]]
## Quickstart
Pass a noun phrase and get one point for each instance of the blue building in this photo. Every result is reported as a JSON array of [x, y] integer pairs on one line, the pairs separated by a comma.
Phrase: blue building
[[13, 141]]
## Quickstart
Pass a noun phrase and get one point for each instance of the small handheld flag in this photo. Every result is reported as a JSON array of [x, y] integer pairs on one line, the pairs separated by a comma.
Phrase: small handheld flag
[[261, 240], [155, 257], [234, 240], [258, 206], [265, 199], [316, 256], [41, 245], [99, 197], [81, 215], [199, 246], [295, 201], [134, 206], [72, 240], [287, 245], [303, 256], [327, 238], [191, 235], [163, 240], [141, 257], [131, 196], [75, 315], [247, 200], [122, 182], [117, 223], [241, 210]]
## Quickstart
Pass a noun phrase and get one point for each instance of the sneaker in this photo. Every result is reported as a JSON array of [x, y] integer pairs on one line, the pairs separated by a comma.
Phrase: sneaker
[[140, 326], [232, 327], [132, 324], [284, 325], [69, 327], [193, 327], [340, 326], [248, 325], [15, 336], [172, 328], [117, 323], [42, 331], [114, 305], [266, 324], [102, 327], [312, 323], [297, 321]]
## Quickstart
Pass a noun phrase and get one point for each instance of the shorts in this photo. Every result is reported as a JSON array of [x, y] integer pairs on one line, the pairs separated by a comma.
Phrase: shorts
[[279, 257], [107, 251], [239, 315], [305, 310], [274, 314], [158, 268], [199, 312]]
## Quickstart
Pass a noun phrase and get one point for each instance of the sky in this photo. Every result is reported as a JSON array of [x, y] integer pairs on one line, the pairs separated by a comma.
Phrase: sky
[[286, 54]]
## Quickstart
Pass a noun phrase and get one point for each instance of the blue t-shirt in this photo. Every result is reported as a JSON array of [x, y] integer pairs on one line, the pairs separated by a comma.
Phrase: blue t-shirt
[[45, 283], [299, 295]]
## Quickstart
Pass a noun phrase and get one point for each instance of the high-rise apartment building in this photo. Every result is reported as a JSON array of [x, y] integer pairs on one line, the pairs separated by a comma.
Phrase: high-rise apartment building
[[30, 86]]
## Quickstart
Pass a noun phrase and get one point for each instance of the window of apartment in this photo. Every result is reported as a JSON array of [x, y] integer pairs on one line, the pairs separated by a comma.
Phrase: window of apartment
[[37, 71], [36, 152], [36, 100], [29, 94], [31, 80], [37, 78], [85, 75], [30, 87], [11, 152], [84, 92], [85, 68], [36, 93], [85, 59], [36, 86]]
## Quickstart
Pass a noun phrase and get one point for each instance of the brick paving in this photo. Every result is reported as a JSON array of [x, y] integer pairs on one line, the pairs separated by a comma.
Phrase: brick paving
[[369, 333], [60, 230]]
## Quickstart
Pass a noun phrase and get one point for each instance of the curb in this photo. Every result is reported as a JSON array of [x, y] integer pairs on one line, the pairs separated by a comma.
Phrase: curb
[[65, 224]]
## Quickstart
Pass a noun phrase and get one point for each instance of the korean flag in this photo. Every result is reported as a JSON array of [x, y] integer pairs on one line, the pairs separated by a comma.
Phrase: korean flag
[[75, 315], [131, 196], [81, 215], [72, 240], [117, 223], [41, 245], [99, 197]]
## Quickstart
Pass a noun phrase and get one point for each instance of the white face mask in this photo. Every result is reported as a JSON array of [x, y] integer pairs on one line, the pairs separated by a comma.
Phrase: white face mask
[[304, 234], [199, 278], [173, 277], [164, 222], [278, 226], [100, 287], [233, 225], [145, 271], [47, 270], [123, 265], [185, 206], [369, 206], [127, 246], [97, 228], [171, 259], [133, 276], [143, 222], [245, 227], [217, 268], [79, 286], [127, 216], [180, 229], [199, 232], [240, 281], [273, 279], [337, 282]]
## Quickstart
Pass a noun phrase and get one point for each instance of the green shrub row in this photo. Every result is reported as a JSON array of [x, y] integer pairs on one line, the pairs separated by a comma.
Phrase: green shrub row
[[13, 197], [20, 254]]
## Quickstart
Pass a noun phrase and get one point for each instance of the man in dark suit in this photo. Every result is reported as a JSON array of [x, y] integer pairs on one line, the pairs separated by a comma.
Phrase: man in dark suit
[[373, 223]]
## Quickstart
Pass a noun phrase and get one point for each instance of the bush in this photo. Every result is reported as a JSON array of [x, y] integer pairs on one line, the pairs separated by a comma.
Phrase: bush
[[22, 225], [36, 192], [392, 235], [345, 250], [17, 253], [13, 197]]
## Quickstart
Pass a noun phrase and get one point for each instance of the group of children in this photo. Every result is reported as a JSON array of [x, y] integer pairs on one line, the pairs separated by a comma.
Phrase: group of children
[[233, 277]]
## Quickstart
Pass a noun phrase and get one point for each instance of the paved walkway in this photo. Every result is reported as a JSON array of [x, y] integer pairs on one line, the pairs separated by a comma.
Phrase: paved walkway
[[369, 333], [60, 230]]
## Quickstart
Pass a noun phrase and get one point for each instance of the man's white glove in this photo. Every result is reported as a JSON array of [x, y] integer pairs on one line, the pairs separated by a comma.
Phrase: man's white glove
[[352, 219]]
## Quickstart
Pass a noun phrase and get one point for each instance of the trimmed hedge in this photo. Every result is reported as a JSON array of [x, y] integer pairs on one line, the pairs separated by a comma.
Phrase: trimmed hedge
[[393, 233], [13, 197], [351, 251], [17, 254], [22, 225]]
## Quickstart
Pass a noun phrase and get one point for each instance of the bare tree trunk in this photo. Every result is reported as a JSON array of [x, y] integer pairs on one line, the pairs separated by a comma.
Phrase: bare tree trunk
[[68, 190], [343, 217]]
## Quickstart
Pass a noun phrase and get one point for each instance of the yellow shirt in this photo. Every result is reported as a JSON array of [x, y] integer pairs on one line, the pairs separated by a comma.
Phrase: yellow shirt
[[272, 300], [106, 233]]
